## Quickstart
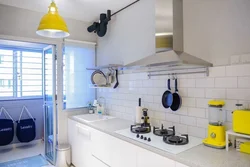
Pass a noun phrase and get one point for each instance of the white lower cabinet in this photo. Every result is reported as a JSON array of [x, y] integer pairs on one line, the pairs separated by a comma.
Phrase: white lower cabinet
[[147, 158], [80, 140], [102, 145], [72, 137], [92, 148], [123, 154], [180, 165], [95, 162]]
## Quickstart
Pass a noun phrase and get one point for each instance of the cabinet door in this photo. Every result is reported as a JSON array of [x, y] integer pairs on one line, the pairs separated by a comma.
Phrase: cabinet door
[[149, 159], [83, 146], [123, 154], [102, 146], [72, 138], [180, 165], [95, 162]]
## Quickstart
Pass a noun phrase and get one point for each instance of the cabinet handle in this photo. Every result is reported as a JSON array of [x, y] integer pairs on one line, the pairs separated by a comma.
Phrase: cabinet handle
[[83, 131]]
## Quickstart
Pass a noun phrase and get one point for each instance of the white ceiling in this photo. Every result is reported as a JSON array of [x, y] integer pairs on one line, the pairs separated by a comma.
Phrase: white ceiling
[[84, 10]]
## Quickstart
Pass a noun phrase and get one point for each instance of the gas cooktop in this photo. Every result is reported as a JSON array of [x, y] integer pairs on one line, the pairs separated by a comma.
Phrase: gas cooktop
[[163, 139]]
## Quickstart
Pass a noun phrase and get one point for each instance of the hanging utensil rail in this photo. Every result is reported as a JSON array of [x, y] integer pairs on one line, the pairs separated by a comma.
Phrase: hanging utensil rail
[[174, 72]]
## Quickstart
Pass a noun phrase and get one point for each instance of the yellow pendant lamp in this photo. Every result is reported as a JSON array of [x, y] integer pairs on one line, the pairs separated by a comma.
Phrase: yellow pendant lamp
[[52, 25]]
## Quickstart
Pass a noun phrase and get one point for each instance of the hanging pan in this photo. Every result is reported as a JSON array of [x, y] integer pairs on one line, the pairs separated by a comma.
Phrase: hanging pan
[[177, 100], [167, 97]]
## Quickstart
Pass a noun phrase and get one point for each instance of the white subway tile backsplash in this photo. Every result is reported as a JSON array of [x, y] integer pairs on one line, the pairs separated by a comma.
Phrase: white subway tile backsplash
[[244, 82], [166, 124], [148, 98], [196, 92], [186, 120], [147, 83], [229, 83], [226, 82], [158, 99], [216, 93], [172, 118], [159, 115], [196, 131], [235, 59], [188, 102], [143, 76], [142, 91], [197, 112], [152, 106], [181, 111], [241, 94], [130, 110], [183, 92], [155, 122], [127, 116], [217, 71], [202, 122], [202, 103], [245, 58], [180, 128], [229, 116], [230, 104], [205, 83], [153, 91], [186, 83], [159, 83], [238, 70]]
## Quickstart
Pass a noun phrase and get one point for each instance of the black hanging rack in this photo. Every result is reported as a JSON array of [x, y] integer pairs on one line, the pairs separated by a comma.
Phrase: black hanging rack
[[125, 7]]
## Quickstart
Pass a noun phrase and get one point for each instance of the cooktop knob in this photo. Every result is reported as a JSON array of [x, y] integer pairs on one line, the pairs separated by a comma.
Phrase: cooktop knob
[[141, 136], [137, 135], [145, 138], [149, 140]]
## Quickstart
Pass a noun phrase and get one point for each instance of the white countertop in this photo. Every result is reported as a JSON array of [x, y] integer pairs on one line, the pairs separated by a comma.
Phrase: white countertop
[[199, 156]]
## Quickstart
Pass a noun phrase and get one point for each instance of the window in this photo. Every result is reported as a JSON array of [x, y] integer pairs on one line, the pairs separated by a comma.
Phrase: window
[[76, 79], [20, 73]]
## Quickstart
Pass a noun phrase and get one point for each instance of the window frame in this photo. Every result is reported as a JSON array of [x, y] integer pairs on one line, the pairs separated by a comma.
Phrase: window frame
[[16, 74]]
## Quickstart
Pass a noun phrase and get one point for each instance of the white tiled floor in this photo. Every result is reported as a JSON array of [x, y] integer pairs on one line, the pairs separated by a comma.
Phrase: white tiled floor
[[21, 152]]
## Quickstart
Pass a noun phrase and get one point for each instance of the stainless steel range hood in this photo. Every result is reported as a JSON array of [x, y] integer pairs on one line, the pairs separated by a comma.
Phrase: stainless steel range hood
[[175, 57]]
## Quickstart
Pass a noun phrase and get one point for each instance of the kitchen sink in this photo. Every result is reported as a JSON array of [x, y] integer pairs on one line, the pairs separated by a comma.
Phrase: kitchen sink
[[93, 117]]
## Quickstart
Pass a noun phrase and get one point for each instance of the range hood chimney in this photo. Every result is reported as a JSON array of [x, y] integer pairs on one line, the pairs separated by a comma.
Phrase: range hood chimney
[[175, 57]]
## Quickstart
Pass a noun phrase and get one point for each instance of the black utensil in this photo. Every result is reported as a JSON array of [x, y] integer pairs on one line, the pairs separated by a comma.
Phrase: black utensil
[[167, 97], [177, 100], [116, 76]]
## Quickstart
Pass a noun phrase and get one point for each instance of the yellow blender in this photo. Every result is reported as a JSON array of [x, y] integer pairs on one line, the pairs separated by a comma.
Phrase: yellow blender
[[216, 129]]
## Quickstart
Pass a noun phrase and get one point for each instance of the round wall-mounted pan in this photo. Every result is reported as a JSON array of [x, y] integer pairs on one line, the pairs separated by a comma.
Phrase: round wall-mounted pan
[[167, 97], [177, 100]]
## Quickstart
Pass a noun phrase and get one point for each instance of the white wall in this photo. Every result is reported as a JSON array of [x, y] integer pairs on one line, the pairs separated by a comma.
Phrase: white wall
[[215, 30], [130, 35], [24, 23], [35, 107]]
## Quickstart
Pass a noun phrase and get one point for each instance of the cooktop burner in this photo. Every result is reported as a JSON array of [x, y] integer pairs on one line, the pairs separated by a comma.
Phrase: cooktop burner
[[165, 132], [141, 129], [176, 140]]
